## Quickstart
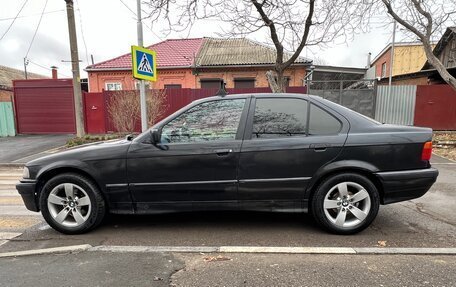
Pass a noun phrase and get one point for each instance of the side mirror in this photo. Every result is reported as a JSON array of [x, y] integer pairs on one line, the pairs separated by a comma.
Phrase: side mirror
[[155, 136]]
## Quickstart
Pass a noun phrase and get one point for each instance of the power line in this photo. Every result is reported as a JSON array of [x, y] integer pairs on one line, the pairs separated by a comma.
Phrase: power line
[[82, 32], [31, 15], [14, 19], [152, 31], [46, 68], [36, 30]]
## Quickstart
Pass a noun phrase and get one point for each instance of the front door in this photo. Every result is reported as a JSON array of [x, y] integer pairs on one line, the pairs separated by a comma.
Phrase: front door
[[283, 149], [196, 161]]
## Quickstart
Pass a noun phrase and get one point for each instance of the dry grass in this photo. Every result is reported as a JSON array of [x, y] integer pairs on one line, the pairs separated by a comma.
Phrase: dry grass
[[445, 144]]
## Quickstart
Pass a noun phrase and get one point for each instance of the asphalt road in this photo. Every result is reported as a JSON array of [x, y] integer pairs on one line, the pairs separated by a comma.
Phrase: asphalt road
[[429, 221], [162, 269], [23, 148]]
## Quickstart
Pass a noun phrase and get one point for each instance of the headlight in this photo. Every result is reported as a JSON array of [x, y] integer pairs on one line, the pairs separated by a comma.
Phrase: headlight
[[25, 173]]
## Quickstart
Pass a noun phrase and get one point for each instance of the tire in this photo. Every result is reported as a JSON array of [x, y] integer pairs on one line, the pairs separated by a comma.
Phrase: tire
[[345, 215], [72, 203]]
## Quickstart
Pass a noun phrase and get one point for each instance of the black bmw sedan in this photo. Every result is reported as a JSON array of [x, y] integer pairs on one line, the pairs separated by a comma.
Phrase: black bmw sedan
[[259, 152]]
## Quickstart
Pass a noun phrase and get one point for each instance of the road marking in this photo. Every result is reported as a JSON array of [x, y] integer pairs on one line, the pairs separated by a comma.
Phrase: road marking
[[444, 163], [11, 200], [18, 222]]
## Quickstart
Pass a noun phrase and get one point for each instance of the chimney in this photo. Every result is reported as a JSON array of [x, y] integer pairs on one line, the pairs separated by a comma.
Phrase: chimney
[[369, 60], [54, 72]]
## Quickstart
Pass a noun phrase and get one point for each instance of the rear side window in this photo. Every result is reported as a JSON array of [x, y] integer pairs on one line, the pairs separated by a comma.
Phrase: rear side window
[[322, 122], [277, 117]]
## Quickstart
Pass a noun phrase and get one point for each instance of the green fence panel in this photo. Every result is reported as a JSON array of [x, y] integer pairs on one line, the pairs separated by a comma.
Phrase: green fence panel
[[6, 119]]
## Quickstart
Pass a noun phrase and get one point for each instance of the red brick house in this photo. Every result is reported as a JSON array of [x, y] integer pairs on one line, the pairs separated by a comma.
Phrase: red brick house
[[199, 63]]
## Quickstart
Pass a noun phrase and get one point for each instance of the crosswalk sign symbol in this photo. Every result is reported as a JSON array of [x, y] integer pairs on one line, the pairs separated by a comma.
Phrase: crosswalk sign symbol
[[144, 63]]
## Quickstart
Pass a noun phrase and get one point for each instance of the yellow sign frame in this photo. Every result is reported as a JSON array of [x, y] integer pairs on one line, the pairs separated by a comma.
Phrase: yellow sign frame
[[137, 74]]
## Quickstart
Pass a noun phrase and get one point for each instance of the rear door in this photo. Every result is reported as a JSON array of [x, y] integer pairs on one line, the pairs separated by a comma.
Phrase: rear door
[[287, 139]]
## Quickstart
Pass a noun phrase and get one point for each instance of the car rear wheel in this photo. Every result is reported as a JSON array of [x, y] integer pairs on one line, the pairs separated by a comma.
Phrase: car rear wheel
[[72, 204], [345, 203]]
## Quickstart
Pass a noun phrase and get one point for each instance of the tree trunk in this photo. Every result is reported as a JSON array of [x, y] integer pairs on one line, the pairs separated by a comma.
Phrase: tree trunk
[[276, 81]]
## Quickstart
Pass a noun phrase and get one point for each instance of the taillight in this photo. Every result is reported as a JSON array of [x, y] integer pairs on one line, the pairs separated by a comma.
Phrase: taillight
[[427, 151]]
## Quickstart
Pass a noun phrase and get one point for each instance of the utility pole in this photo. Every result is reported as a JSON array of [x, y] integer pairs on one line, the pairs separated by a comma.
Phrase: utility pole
[[392, 58], [142, 84], [25, 68], [79, 117]]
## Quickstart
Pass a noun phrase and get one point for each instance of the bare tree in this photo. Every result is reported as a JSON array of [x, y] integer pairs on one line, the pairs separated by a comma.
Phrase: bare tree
[[425, 19], [291, 24], [124, 108], [156, 105]]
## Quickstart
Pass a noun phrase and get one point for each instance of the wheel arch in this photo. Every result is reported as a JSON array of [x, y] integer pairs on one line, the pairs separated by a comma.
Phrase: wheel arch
[[363, 168], [45, 175]]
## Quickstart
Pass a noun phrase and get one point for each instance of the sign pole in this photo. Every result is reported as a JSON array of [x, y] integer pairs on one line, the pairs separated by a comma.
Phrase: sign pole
[[142, 84]]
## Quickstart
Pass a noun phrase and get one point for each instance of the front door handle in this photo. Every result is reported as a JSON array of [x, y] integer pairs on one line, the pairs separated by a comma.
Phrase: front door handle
[[223, 152]]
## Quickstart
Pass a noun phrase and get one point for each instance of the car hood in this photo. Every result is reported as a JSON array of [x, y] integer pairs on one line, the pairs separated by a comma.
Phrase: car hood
[[113, 149]]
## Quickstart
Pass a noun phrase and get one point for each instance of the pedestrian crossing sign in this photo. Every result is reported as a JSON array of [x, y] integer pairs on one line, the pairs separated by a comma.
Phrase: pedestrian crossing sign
[[144, 63]]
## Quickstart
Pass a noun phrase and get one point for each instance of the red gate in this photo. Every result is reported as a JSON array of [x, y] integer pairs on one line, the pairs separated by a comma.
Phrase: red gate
[[44, 106], [435, 107]]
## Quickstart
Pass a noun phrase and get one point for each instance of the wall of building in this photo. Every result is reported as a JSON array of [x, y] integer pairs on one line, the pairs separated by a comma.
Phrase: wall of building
[[190, 79], [6, 95], [407, 59]]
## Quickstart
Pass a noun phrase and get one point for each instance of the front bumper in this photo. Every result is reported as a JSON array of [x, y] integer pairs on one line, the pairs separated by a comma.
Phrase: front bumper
[[407, 184], [27, 190]]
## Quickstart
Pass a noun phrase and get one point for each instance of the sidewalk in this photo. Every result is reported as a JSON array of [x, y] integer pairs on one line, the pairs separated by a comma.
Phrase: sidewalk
[[23, 148]]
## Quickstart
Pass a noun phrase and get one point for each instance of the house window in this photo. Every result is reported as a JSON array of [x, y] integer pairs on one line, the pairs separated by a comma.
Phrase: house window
[[384, 70], [173, 86], [241, 83], [113, 86], [211, 83]]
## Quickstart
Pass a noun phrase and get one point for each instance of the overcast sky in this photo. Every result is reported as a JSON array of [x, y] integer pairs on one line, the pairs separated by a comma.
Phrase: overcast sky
[[106, 29]]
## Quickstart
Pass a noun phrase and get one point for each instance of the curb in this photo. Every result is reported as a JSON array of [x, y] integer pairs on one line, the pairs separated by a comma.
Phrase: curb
[[280, 250], [237, 249], [64, 249]]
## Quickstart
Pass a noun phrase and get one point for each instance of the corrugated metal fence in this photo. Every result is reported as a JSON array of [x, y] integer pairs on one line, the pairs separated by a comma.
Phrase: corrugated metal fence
[[6, 114], [397, 107]]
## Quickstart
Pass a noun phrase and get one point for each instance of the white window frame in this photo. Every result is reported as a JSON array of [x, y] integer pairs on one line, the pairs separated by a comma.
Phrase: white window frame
[[117, 84], [383, 70]]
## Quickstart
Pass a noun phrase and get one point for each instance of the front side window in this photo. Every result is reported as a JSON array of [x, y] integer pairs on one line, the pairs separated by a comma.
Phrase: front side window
[[279, 117], [209, 121]]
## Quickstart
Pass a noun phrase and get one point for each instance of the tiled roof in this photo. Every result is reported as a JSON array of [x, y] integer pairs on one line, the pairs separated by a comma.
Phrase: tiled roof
[[238, 51], [170, 53], [7, 75], [205, 52]]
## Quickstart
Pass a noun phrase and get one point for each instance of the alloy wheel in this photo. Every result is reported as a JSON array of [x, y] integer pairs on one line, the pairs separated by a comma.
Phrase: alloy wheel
[[69, 205], [347, 204]]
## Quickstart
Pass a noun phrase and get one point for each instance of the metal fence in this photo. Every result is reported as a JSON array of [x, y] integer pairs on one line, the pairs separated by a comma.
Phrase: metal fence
[[6, 119], [358, 95], [396, 106]]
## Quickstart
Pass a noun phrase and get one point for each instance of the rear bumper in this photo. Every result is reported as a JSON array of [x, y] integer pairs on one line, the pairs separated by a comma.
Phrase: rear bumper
[[405, 185], [27, 190]]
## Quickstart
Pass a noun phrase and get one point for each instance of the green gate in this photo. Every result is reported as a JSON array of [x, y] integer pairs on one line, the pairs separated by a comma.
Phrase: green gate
[[6, 119]]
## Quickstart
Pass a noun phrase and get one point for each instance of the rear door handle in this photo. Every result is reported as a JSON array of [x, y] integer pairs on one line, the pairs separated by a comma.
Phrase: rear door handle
[[223, 152], [319, 146]]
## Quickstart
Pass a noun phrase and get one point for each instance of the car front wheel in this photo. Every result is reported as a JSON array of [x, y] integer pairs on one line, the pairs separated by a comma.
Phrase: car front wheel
[[345, 203], [72, 203]]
